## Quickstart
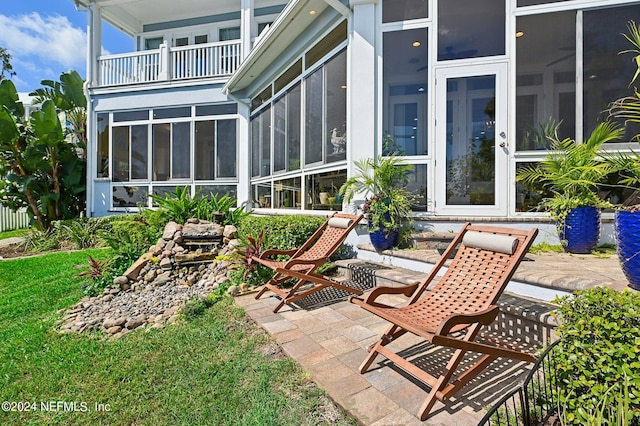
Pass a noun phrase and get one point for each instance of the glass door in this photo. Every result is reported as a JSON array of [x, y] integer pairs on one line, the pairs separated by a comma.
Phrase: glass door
[[471, 150]]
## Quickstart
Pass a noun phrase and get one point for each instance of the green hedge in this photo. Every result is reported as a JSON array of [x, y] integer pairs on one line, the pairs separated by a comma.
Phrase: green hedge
[[599, 355], [280, 232]]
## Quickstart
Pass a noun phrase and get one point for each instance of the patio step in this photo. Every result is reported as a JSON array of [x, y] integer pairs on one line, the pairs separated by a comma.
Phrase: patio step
[[527, 320], [432, 240]]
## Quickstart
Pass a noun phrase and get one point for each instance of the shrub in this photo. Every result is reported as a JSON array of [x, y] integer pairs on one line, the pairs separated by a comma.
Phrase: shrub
[[280, 232], [82, 233], [599, 353], [129, 237], [37, 240]]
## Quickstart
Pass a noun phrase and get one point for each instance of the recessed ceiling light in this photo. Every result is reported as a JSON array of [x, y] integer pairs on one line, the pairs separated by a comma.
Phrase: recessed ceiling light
[[519, 34], [312, 12], [416, 44]]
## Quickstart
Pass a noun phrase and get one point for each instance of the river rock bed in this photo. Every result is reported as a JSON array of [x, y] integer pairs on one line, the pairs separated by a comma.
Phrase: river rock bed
[[152, 291]]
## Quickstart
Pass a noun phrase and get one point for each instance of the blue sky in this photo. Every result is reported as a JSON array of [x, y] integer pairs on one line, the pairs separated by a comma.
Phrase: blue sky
[[48, 37]]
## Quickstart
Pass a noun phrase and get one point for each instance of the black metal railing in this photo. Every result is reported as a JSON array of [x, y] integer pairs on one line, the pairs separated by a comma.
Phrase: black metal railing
[[534, 401]]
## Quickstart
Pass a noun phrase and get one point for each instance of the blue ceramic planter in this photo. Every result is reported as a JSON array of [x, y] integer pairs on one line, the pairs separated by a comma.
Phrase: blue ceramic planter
[[581, 231], [383, 239], [627, 225]]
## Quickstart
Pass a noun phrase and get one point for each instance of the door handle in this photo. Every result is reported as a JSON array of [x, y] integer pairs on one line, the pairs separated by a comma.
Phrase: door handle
[[503, 144]]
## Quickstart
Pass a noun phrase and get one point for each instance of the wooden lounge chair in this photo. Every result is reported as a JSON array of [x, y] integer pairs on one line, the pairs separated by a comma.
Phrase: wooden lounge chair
[[452, 312], [304, 261]]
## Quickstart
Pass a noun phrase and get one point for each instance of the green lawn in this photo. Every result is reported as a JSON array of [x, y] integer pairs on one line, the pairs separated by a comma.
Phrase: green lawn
[[13, 233], [211, 370]]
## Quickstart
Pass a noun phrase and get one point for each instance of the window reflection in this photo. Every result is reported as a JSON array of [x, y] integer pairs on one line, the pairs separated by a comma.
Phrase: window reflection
[[322, 190], [417, 185], [288, 193], [402, 10], [405, 79], [606, 73], [470, 29], [545, 77]]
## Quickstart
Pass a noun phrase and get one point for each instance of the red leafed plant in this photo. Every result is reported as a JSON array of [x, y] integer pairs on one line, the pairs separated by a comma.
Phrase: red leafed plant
[[99, 275], [94, 270], [253, 248]]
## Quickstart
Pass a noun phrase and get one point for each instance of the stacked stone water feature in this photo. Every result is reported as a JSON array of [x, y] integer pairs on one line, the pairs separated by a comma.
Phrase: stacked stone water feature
[[179, 267]]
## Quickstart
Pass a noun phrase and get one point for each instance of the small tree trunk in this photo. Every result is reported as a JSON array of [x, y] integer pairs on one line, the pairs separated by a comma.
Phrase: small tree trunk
[[33, 204]]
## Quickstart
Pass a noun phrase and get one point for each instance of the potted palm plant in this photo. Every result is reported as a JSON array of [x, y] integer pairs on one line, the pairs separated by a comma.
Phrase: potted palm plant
[[382, 181], [627, 218], [571, 172]]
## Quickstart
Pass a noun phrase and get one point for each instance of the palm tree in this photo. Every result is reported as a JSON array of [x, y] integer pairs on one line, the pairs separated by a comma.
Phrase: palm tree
[[383, 181], [572, 171]]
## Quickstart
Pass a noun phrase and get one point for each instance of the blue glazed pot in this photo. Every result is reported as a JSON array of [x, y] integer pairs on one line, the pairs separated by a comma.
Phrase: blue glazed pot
[[581, 231], [383, 239], [627, 225]]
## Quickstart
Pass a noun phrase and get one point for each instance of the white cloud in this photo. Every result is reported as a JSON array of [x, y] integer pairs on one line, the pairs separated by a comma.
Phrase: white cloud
[[47, 39]]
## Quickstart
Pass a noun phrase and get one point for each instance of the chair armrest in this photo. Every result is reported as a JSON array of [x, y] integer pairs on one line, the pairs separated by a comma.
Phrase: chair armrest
[[484, 317], [307, 261], [273, 252], [381, 291]]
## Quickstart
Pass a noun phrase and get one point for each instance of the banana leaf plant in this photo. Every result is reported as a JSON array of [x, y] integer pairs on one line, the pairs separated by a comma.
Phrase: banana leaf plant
[[39, 169]]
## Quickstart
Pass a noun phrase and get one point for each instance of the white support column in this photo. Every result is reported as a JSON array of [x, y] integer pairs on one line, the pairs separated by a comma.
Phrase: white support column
[[361, 83], [246, 21], [244, 154], [165, 64], [94, 50], [94, 43]]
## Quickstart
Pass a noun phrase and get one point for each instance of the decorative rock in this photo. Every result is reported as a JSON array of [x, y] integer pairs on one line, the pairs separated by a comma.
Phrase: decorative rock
[[121, 280], [150, 276], [169, 312], [111, 322], [162, 279], [134, 270], [169, 230], [165, 264], [136, 322], [233, 244], [155, 291], [230, 232], [244, 287], [233, 290], [182, 258]]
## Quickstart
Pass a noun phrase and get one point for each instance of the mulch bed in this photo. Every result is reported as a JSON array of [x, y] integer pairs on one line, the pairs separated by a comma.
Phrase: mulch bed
[[20, 250], [13, 251]]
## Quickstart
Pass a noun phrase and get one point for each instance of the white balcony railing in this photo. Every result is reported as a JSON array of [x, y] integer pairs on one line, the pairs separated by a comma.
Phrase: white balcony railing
[[216, 59]]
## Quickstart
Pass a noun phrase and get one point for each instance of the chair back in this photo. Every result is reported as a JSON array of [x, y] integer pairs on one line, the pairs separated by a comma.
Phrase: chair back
[[486, 259], [329, 237]]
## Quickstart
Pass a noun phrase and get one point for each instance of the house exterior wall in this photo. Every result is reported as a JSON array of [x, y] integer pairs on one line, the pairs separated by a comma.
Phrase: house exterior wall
[[457, 88], [156, 124], [478, 78]]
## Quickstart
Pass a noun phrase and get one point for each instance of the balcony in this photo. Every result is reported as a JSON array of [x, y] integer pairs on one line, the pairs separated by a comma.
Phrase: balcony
[[217, 59]]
